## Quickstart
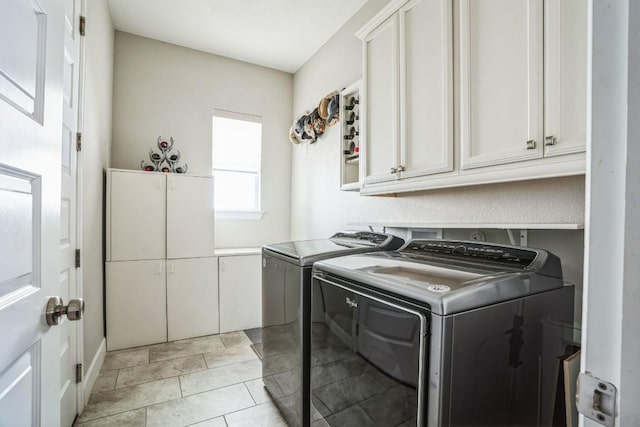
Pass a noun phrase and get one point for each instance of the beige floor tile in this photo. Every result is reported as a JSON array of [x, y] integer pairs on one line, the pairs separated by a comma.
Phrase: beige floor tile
[[216, 422], [259, 393], [125, 399], [119, 360], [199, 407], [135, 418], [235, 339], [229, 356], [160, 370], [106, 381], [265, 415], [220, 377], [174, 350]]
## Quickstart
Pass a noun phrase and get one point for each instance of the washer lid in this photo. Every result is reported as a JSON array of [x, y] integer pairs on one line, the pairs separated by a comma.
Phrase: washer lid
[[306, 252], [446, 283]]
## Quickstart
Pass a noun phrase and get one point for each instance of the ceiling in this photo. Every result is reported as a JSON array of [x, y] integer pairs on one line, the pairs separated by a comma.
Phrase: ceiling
[[280, 34]]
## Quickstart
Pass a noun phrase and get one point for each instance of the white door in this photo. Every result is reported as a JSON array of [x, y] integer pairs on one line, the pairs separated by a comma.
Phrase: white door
[[426, 88], [136, 209], [190, 216], [240, 293], [30, 132], [565, 76], [192, 297], [500, 81], [379, 117], [136, 299], [69, 275]]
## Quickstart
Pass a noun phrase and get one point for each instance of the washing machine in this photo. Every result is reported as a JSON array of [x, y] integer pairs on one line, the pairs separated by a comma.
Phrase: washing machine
[[439, 333], [286, 307]]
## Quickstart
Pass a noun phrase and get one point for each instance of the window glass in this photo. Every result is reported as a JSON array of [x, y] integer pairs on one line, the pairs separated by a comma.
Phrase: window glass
[[237, 141]]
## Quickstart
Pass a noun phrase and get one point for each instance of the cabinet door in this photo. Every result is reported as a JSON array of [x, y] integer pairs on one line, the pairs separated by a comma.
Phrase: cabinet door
[[192, 297], [240, 293], [565, 102], [136, 216], [190, 216], [379, 116], [136, 303], [500, 81], [426, 88]]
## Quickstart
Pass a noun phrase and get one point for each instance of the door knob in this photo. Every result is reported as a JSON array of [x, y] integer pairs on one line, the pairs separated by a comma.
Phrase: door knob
[[56, 309]]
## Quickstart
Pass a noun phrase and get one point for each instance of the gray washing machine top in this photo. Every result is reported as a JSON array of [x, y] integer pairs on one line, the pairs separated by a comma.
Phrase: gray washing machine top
[[451, 276], [306, 252]]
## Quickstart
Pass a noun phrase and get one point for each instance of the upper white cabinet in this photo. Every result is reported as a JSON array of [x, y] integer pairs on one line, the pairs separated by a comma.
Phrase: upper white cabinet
[[500, 81], [520, 93], [190, 216], [157, 216], [522, 80], [407, 121], [565, 92], [136, 202]]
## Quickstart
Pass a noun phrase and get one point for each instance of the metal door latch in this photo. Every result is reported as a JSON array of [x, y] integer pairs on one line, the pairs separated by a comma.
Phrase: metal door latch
[[57, 309], [596, 399]]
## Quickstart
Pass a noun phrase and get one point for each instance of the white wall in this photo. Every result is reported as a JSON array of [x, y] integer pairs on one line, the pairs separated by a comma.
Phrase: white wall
[[164, 89], [318, 207], [95, 157]]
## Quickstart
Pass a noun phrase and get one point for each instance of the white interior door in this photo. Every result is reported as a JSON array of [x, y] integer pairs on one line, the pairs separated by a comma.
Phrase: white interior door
[[31, 87], [69, 274]]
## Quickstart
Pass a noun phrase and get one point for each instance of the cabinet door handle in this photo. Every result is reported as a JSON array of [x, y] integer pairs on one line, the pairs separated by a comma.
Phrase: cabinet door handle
[[172, 184], [394, 170], [159, 269], [171, 270], [550, 140], [531, 144], [160, 183], [400, 168]]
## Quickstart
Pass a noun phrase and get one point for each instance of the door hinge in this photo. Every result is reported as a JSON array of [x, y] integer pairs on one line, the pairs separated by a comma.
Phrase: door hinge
[[78, 373], [83, 25], [77, 258], [79, 141]]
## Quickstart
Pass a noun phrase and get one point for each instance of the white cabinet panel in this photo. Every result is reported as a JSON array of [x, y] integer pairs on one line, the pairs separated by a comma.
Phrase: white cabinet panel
[[426, 88], [136, 226], [501, 81], [192, 297], [240, 293], [565, 55], [136, 303], [379, 116], [190, 216]]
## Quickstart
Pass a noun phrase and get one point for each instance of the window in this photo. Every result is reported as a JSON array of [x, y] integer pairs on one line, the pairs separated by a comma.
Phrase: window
[[237, 142]]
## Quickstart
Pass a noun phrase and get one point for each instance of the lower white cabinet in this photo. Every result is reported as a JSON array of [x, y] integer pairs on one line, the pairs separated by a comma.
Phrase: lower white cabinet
[[240, 292], [136, 298], [192, 297], [154, 301]]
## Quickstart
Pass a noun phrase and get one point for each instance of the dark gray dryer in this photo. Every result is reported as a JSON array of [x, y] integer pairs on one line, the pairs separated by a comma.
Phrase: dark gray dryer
[[439, 333], [286, 307]]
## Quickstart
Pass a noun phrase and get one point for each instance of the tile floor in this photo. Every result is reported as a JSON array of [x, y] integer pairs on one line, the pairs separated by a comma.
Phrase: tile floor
[[212, 381]]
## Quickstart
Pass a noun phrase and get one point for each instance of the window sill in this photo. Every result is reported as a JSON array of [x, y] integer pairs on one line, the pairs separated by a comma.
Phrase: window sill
[[239, 215]]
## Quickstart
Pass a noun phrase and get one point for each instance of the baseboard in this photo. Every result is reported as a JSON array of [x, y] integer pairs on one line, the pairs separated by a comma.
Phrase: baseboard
[[91, 374]]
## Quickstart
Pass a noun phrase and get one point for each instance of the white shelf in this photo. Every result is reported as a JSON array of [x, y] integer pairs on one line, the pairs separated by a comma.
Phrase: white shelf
[[237, 251], [503, 226]]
